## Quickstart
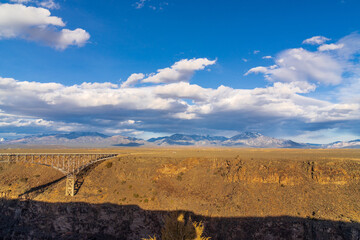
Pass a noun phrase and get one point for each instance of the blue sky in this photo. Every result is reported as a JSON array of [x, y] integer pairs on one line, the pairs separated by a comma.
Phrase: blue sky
[[147, 68]]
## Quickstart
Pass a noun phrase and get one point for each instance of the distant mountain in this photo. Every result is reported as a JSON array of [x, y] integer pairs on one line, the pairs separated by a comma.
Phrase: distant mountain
[[187, 140], [344, 144], [77, 139], [254, 139], [246, 139]]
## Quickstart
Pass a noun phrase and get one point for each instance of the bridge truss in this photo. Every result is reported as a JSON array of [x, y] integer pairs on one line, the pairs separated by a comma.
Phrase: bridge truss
[[70, 164]]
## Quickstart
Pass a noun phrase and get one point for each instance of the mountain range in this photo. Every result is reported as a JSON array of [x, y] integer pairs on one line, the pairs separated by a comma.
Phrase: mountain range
[[246, 139], [76, 139], [95, 139]]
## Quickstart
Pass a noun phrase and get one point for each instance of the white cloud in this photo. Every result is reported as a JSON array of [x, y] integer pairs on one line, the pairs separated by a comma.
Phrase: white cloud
[[300, 65], [153, 5], [10, 120], [16, 18], [133, 79], [349, 92], [50, 4], [171, 101], [267, 57], [140, 4], [259, 69], [182, 90], [181, 71], [20, 121], [37, 24], [329, 47], [162, 103], [21, 1], [256, 51], [316, 40], [351, 46], [66, 37]]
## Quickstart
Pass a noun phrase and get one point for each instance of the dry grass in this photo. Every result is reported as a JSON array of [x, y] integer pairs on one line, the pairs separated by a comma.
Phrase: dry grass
[[150, 238]]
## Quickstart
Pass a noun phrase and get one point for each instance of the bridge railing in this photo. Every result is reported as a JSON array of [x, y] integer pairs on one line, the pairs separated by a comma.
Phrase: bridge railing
[[67, 163]]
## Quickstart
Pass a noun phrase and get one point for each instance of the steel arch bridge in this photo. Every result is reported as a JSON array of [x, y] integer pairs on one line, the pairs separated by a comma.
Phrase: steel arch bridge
[[69, 164]]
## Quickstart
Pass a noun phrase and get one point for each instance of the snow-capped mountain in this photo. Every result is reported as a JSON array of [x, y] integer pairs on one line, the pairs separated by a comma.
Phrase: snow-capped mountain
[[186, 140], [253, 139]]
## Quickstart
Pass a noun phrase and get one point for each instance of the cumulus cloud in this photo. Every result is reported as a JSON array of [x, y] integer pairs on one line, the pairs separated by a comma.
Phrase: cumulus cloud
[[332, 64], [301, 65], [259, 69], [316, 40], [66, 37], [166, 107], [133, 79], [37, 24], [329, 47], [181, 71]]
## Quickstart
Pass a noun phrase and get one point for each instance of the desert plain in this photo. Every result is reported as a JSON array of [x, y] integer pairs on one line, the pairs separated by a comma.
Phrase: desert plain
[[235, 193]]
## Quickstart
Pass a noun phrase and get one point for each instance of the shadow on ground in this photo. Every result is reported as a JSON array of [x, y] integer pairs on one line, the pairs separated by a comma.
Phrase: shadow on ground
[[41, 220], [39, 189]]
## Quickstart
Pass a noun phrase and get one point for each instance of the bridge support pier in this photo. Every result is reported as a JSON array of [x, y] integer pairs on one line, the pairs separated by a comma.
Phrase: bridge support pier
[[70, 185]]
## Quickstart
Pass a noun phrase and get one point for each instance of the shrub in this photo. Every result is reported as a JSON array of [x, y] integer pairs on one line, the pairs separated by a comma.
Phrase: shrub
[[109, 164]]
